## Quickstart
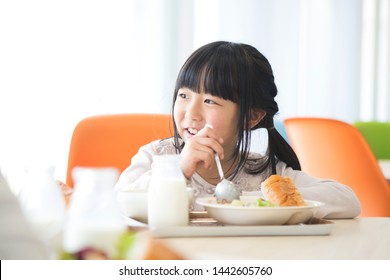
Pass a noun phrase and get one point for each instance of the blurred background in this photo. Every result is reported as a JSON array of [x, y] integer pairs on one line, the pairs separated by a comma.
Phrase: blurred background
[[61, 61]]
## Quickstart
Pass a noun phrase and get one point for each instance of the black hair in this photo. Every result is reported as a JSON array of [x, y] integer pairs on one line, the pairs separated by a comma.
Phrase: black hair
[[241, 74]]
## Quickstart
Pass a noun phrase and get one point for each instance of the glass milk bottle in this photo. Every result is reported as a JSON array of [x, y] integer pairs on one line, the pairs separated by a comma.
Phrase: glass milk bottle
[[168, 197], [44, 205], [93, 220]]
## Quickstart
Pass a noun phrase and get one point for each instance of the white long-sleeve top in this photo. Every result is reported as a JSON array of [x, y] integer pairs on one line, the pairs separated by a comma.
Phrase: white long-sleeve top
[[339, 200]]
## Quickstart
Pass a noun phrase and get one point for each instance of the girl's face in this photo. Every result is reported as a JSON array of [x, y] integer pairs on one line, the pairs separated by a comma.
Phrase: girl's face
[[192, 111]]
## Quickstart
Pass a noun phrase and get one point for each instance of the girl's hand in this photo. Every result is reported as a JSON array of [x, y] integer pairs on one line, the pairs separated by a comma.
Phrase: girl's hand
[[199, 150]]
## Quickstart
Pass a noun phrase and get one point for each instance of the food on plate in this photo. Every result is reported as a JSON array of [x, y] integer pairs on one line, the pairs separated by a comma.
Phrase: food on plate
[[258, 202], [236, 202], [277, 190], [281, 191], [265, 203]]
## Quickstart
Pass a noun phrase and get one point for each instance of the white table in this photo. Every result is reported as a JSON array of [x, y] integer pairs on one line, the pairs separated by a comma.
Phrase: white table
[[361, 238]]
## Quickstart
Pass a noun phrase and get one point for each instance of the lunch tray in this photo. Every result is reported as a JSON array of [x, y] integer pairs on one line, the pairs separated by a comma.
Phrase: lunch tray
[[201, 225]]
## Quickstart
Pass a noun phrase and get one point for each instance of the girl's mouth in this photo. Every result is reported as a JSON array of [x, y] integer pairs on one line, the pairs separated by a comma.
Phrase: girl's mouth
[[192, 131]]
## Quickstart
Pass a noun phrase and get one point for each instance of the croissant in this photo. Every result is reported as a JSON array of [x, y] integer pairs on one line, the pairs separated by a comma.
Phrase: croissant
[[281, 191]]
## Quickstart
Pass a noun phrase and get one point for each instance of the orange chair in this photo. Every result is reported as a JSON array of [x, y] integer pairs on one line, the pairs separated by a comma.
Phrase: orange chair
[[112, 140], [334, 149]]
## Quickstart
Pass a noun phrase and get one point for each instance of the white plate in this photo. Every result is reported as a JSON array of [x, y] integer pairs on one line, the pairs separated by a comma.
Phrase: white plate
[[254, 215]]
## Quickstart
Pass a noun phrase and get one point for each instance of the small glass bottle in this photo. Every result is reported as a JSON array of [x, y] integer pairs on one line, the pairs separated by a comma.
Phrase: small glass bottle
[[94, 219], [44, 205], [168, 196]]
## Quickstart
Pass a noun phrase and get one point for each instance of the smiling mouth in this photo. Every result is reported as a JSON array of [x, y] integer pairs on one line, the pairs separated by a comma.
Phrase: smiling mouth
[[192, 131]]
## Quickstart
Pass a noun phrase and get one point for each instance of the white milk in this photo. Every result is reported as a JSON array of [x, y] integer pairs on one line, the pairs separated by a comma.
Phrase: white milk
[[168, 203], [94, 219]]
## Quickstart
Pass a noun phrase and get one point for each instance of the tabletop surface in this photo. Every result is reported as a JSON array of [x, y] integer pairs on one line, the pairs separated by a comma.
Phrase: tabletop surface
[[360, 238], [352, 239]]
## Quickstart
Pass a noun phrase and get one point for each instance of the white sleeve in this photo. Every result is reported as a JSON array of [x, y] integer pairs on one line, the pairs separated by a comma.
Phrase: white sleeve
[[138, 174], [339, 200]]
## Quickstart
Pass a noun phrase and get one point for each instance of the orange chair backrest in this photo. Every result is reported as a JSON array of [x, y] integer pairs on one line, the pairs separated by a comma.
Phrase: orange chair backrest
[[336, 150], [112, 140]]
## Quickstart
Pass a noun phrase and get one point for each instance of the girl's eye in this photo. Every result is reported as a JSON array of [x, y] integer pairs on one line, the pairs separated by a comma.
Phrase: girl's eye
[[183, 96], [209, 101]]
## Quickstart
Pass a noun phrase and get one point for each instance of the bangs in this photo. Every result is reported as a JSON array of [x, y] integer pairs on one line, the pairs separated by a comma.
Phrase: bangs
[[213, 72]]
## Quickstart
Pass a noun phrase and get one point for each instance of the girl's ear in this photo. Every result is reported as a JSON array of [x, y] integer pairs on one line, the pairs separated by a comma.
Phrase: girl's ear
[[256, 117]]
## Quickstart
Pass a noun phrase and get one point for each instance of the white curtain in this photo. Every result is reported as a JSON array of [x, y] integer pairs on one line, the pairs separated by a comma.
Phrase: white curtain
[[313, 47], [375, 61], [61, 61]]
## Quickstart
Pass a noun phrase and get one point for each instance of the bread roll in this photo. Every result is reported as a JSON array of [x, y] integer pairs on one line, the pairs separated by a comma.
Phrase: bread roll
[[282, 191], [146, 247]]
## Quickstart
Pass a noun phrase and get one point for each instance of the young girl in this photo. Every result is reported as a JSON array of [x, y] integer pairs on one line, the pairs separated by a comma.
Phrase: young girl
[[231, 87]]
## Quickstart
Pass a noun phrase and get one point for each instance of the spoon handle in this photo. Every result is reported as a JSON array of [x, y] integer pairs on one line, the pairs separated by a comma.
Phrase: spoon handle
[[219, 166], [217, 160]]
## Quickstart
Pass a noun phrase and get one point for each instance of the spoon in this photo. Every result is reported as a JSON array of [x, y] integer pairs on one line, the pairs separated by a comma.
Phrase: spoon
[[225, 191]]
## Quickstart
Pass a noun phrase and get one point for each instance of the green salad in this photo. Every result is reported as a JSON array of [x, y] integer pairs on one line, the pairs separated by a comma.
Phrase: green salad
[[259, 203]]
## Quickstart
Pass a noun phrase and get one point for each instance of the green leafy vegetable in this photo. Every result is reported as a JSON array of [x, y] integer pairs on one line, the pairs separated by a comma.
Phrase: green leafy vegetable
[[125, 242], [265, 203]]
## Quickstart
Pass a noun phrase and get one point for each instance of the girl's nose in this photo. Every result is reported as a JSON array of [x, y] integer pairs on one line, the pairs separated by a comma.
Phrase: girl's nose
[[193, 111]]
